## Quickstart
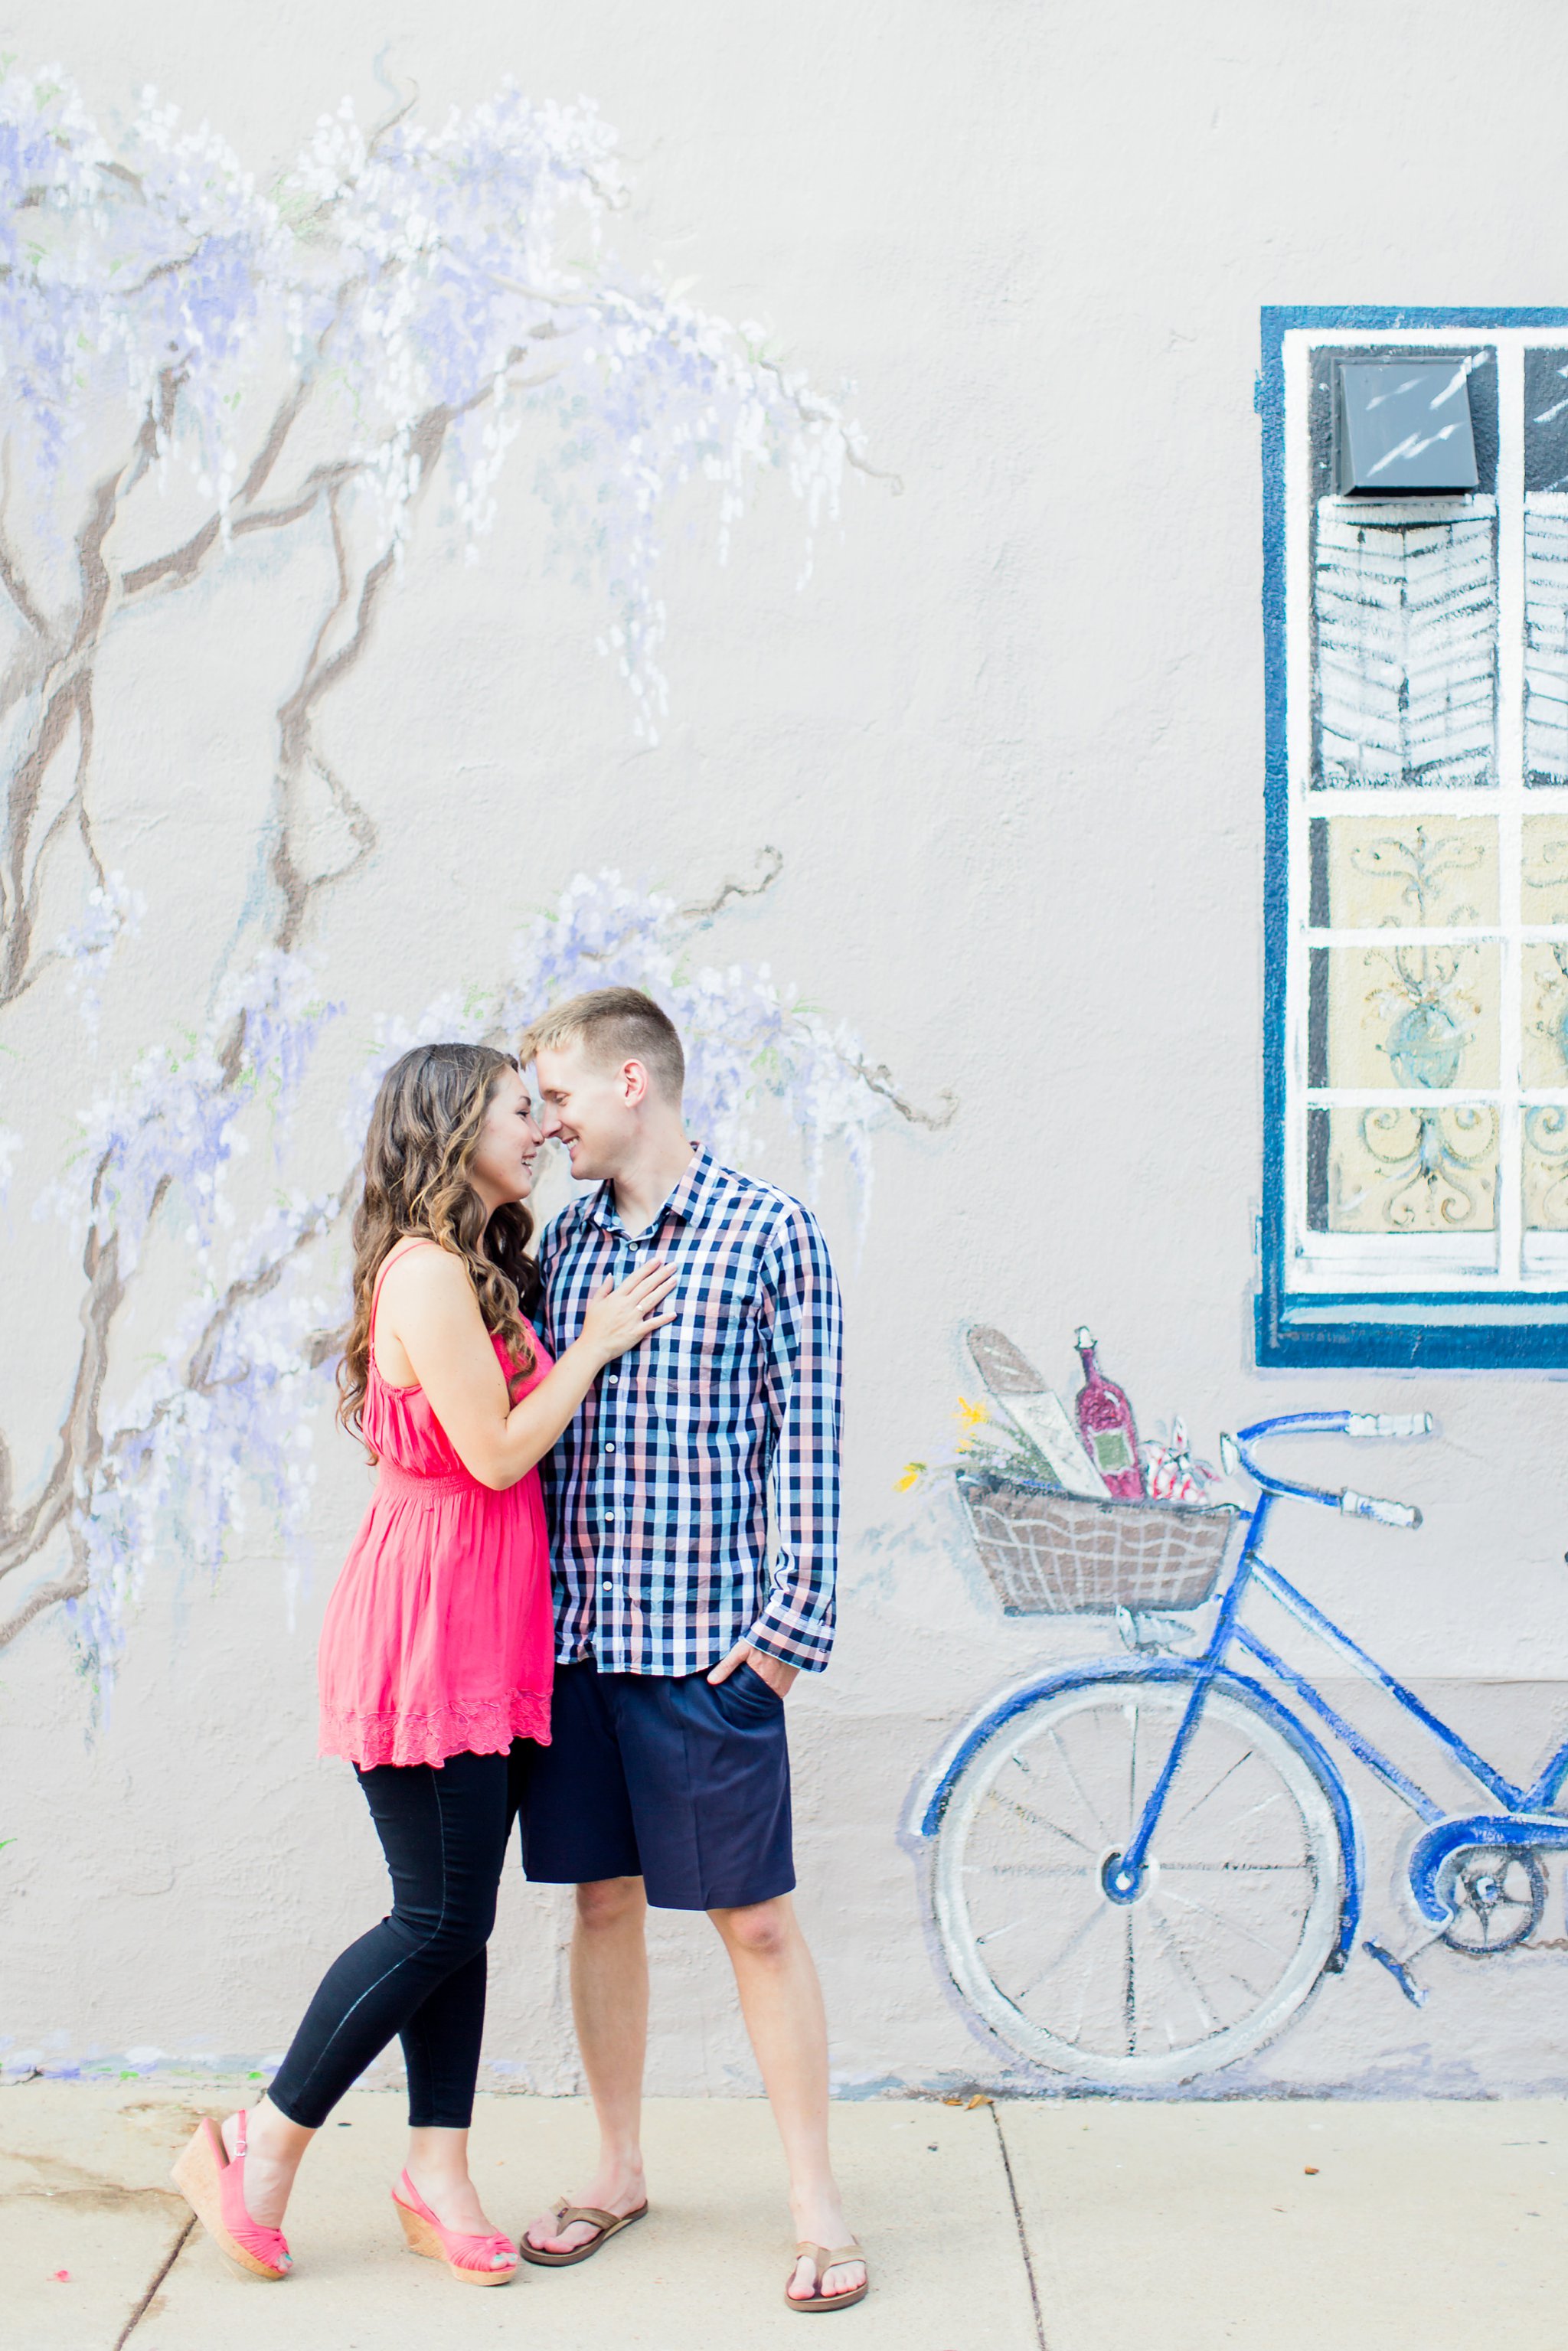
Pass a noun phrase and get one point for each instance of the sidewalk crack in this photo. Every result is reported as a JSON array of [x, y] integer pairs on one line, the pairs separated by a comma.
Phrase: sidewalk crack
[[165, 2266], [1018, 2223]]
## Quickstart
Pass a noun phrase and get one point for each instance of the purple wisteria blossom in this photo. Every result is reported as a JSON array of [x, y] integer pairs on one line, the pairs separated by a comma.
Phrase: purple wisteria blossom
[[747, 1039], [424, 287], [226, 1416], [302, 361]]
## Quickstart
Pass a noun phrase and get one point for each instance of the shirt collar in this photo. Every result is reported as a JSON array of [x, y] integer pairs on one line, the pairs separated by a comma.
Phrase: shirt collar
[[685, 1202]]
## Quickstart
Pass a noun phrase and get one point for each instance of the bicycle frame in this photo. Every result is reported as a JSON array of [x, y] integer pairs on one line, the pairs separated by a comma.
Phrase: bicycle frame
[[1518, 1816]]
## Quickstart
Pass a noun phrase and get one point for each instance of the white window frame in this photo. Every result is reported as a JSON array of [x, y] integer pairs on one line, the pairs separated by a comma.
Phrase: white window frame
[[1507, 1260]]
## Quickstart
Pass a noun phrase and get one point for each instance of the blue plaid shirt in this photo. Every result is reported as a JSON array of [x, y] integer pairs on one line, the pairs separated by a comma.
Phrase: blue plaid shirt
[[658, 1493]]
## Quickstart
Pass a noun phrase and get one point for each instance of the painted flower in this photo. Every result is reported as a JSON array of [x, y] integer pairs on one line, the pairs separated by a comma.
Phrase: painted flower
[[970, 1417], [423, 295]]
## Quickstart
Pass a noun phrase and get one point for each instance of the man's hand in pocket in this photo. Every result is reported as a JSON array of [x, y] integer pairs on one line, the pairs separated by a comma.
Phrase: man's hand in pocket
[[773, 1670]]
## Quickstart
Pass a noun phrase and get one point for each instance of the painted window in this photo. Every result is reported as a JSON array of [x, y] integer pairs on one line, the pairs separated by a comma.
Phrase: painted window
[[1416, 1195]]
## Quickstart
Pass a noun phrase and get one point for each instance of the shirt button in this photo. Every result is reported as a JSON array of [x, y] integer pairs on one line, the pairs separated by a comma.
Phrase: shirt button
[[614, 1378], [610, 1517], [609, 1448], [607, 1585]]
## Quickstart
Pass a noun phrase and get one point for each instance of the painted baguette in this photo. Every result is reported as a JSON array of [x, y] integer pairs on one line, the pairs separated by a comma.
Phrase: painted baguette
[[1014, 1384]]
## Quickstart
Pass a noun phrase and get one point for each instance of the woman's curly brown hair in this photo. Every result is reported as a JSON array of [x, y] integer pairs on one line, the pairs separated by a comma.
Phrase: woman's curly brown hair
[[425, 1132]]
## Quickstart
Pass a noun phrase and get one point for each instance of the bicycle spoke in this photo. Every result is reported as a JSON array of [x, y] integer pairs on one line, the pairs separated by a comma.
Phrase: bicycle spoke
[[1132, 1718], [1078, 1790], [1028, 1869], [1264, 1804], [1086, 1979], [1239, 1868], [1179, 1956], [1227, 1935], [1096, 1917], [1229, 1773], [1228, 1968], [1038, 1821], [1225, 1962], [1234, 1927]]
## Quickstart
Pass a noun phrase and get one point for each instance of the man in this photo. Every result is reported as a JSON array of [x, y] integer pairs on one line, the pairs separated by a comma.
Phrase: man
[[668, 1779]]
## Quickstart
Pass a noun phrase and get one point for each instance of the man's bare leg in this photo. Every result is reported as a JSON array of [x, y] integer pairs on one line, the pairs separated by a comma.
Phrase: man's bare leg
[[610, 2005], [781, 2001]]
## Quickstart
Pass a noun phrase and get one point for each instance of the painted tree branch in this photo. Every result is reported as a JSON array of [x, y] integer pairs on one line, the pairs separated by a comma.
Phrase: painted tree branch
[[419, 278], [65, 692], [80, 1447], [769, 865], [65, 688], [82, 1452]]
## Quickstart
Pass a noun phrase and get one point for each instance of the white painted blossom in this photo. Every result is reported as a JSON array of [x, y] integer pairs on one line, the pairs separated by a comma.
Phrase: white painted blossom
[[112, 910], [223, 1422], [166, 1133], [747, 1040], [223, 1415], [434, 298], [438, 290], [126, 272]]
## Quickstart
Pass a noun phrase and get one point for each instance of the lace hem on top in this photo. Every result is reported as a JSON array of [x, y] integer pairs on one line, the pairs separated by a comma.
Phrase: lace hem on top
[[485, 1725]]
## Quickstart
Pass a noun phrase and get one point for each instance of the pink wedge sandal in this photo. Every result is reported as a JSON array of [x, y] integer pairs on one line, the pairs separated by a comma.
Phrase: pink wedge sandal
[[213, 2184], [477, 2261]]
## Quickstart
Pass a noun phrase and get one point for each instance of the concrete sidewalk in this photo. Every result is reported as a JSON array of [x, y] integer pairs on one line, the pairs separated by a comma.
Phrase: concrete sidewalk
[[1027, 2226]]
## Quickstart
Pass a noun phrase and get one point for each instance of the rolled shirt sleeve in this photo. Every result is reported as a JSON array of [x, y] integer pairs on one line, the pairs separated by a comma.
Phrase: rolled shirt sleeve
[[804, 1390]]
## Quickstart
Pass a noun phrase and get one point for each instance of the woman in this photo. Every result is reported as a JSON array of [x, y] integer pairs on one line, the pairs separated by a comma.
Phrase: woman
[[437, 1650]]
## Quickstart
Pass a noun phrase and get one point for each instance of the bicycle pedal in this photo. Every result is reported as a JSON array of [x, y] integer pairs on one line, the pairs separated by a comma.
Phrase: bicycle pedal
[[1416, 1993]]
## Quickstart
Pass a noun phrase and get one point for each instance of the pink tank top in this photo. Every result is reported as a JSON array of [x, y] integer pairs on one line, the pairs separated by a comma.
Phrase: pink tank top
[[439, 1637]]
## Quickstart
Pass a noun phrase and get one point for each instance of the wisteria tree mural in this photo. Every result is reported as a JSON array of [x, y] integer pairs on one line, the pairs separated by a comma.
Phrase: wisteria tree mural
[[406, 306]]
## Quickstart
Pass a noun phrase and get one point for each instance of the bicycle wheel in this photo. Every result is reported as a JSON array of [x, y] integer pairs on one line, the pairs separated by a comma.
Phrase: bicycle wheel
[[1241, 1901]]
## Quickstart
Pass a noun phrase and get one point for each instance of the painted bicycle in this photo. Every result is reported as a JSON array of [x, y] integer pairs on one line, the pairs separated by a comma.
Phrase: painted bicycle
[[1141, 1869]]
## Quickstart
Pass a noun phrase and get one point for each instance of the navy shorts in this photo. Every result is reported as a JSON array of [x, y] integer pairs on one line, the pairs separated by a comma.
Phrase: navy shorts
[[674, 1779]]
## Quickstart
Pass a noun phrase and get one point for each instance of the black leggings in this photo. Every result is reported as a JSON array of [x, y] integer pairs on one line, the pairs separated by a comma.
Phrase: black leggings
[[420, 1973]]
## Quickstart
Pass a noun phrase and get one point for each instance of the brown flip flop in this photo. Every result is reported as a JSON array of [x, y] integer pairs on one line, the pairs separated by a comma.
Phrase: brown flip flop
[[609, 2225], [825, 2261]]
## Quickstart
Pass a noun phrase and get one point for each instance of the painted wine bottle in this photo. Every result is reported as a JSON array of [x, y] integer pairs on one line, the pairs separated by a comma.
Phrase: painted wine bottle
[[1106, 1420]]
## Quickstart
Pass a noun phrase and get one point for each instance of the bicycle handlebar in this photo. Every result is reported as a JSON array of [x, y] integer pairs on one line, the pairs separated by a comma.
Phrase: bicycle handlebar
[[1234, 1453], [1371, 1506], [1341, 1424], [1388, 1424]]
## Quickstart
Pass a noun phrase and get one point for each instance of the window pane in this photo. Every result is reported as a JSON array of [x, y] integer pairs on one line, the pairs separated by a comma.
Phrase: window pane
[[1546, 419], [1406, 663], [1411, 1016], [1371, 872], [1545, 645], [1544, 1007], [1403, 1169], [1546, 1169], [1543, 872]]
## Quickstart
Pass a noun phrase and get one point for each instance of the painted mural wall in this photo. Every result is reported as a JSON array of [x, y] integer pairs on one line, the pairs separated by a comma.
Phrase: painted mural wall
[[782, 529]]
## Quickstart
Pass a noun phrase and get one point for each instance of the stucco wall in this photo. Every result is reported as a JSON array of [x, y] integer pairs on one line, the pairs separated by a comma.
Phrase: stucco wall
[[1007, 741]]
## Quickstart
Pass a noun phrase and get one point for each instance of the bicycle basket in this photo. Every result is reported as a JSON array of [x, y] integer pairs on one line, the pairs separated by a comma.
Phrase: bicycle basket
[[1057, 1554]]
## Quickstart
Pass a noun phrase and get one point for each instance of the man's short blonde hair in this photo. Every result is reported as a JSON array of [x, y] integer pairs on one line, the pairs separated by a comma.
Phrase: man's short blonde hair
[[614, 1025]]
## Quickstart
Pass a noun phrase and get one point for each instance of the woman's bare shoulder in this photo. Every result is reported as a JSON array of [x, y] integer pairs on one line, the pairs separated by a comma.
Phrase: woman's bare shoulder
[[425, 1269]]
